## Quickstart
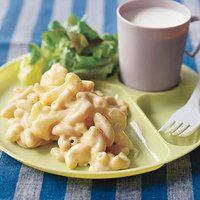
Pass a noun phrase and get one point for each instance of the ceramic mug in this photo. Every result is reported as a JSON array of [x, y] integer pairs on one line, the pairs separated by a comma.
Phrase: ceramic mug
[[151, 58]]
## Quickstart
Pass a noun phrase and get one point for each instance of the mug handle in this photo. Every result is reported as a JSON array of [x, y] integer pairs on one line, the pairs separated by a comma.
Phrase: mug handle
[[194, 51]]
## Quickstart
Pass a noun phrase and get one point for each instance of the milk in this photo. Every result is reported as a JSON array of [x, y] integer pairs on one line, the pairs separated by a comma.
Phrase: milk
[[155, 17]]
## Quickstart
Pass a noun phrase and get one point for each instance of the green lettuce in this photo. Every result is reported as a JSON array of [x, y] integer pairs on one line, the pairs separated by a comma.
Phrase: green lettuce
[[77, 47]]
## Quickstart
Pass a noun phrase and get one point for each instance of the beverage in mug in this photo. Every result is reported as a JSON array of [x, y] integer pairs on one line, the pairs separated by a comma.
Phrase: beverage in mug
[[152, 36], [155, 17]]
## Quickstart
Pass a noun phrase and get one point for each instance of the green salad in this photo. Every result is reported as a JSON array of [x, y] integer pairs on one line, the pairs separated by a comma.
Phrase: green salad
[[76, 46]]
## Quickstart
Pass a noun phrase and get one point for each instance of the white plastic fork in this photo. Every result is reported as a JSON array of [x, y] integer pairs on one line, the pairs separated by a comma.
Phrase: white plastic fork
[[186, 120]]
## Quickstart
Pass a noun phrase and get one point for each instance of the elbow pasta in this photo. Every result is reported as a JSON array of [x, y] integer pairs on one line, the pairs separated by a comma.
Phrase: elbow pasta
[[89, 127]]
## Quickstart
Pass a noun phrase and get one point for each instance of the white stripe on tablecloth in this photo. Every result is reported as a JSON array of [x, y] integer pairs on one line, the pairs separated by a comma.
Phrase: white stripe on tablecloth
[[4, 7], [23, 32], [62, 9], [78, 189], [29, 184], [194, 7], [29, 181], [95, 17], [128, 188], [95, 14], [179, 179]]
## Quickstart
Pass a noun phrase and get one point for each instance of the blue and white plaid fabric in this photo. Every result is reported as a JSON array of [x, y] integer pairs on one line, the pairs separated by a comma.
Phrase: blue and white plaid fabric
[[22, 22]]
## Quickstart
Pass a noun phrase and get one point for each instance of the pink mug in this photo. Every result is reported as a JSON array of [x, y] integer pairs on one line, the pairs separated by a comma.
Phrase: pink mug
[[151, 58]]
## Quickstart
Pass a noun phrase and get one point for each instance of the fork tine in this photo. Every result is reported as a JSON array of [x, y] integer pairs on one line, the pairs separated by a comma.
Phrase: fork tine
[[168, 124], [180, 129], [188, 131], [174, 127]]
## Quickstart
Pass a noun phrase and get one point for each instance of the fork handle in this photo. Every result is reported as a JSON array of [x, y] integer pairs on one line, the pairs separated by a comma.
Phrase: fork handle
[[195, 97]]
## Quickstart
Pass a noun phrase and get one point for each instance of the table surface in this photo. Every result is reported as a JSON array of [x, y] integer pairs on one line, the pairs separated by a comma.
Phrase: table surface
[[22, 22]]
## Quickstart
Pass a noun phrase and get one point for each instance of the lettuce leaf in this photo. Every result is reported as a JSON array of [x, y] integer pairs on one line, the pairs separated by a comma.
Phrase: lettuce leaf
[[29, 74], [75, 45], [35, 53], [96, 73]]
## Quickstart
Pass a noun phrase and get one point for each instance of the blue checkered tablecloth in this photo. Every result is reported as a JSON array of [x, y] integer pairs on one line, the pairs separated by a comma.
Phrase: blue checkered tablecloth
[[22, 22]]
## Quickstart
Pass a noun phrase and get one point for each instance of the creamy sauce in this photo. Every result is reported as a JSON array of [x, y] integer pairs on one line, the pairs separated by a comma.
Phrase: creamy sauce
[[155, 17]]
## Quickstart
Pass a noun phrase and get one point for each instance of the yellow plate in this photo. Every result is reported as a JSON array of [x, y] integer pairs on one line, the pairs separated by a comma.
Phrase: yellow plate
[[149, 110]]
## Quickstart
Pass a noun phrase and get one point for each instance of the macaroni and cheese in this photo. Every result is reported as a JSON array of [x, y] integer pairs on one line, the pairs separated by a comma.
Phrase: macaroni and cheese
[[89, 127]]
